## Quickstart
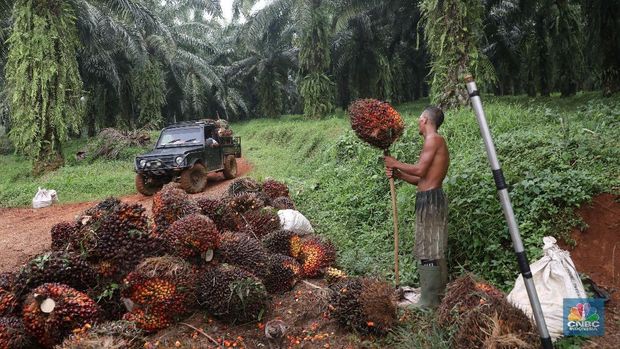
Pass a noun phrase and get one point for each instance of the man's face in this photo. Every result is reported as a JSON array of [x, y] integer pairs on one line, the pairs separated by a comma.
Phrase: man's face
[[422, 120]]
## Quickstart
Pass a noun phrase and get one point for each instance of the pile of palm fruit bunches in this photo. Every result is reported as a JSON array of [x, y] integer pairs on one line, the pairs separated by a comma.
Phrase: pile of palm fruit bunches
[[114, 270]]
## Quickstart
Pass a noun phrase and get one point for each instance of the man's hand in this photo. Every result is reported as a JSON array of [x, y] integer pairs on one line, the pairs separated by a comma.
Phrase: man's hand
[[389, 172], [390, 161]]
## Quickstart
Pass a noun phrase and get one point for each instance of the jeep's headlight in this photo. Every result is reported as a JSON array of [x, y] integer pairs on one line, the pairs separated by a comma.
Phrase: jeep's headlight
[[142, 163], [179, 160]]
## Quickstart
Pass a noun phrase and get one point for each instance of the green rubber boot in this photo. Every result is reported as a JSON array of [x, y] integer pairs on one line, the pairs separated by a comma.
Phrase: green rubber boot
[[443, 265], [431, 283]]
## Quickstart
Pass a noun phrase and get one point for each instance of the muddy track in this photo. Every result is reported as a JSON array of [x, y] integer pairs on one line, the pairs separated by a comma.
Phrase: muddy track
[[24, 232]]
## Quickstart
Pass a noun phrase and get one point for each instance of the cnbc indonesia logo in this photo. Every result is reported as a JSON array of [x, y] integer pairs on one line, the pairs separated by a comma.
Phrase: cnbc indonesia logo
[[583, 318]]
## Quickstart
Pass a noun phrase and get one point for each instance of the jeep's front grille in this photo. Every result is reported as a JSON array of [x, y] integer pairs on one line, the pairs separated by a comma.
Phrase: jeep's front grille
[[159, 163]]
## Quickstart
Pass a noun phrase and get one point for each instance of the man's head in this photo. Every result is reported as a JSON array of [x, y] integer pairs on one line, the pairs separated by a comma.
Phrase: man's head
[[431, 116]]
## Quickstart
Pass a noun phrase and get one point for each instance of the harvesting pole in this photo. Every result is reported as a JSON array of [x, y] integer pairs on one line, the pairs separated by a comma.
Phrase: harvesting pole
[[502, 191], [386, 152]]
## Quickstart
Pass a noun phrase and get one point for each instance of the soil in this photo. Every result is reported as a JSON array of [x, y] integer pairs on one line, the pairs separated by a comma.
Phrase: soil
[[24, 232], [597, 254]]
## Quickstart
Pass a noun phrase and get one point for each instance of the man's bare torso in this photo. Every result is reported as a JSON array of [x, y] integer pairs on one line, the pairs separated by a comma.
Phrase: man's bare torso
[[438, 168]]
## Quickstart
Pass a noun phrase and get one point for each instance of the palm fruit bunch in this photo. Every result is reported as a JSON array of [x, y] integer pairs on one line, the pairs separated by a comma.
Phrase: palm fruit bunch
[[108, 335], [109, 300], [284, 242], [282, 273], [9, 303], [232, 294], [224, 217], [68, 268], [62, 233], [159, 286], [333, 275], [52, 311], [170, 204], [363, 304], [244, 202], [101, 209], [283, 203], [463, 295], [13, 334], [244, 251], [275, 189], [259, 223], [496, 324], [193, 236], [315, 255], [375, 122], [243, 184], [149, 321]]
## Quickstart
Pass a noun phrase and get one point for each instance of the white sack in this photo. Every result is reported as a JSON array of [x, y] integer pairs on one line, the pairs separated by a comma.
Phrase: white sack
[[294, 221], [555, 278], [44, 198]]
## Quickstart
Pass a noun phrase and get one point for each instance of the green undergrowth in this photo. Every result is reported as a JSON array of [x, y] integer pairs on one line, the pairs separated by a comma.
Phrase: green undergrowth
[[556, 154]]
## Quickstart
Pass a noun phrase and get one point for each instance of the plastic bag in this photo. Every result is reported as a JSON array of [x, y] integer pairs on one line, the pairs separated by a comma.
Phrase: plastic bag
[[294, 221], [555, 278], [44, 198]]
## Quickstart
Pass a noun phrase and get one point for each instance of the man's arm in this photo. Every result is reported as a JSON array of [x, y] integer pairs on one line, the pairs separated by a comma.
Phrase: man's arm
[[424, 163], [394, 173]]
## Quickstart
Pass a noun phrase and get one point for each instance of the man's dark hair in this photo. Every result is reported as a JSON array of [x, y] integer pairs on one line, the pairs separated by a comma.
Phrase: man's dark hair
[[435, 115]]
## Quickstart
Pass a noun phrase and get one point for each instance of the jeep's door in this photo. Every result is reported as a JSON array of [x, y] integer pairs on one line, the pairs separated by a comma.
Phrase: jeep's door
[[212, 154]]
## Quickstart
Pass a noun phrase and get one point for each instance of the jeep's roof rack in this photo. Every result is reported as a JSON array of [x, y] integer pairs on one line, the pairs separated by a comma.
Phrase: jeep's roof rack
[[206, 122]]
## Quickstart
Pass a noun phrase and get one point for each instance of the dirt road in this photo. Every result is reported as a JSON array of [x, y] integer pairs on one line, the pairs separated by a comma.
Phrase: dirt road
[[24, 232]]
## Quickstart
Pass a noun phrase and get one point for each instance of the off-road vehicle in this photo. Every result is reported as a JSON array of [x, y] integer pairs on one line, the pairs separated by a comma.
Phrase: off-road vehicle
[[186, 152]]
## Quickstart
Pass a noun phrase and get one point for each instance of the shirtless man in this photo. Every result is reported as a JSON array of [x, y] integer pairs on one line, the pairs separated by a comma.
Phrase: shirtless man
[[431, 236]]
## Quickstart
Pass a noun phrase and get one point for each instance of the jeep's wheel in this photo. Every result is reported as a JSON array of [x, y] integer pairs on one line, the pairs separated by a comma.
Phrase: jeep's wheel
[[230, 167], [194, 179], [147, 186]]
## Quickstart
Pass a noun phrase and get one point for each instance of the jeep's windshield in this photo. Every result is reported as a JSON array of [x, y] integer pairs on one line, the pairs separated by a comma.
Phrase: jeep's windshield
[[180, 137]]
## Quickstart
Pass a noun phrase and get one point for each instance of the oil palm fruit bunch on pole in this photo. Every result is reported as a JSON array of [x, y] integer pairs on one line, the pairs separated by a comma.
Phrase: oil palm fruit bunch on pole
[[193, 237], [169, 205], [160, 288], [363, 304], [379, 124], [232, 294], [13, 334], [52, 311]]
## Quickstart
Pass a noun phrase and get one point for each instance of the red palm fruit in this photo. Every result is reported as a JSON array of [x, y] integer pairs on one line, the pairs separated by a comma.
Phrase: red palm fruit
[[192, 236], [165, 284], [316, 255], [244, 202], [151, 321], [279, 241], [71, 309], [259, 223], [295, 246], [8, 303], [275, 189], [375, 122], [13, 334], [169, 205], [282, 273], [62, 233]]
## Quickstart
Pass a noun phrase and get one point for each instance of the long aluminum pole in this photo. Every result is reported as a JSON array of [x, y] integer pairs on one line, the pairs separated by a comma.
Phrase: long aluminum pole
[[502, 191]]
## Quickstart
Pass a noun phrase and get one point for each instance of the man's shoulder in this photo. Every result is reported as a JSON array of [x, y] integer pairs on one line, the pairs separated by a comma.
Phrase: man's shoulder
[[436, 139]]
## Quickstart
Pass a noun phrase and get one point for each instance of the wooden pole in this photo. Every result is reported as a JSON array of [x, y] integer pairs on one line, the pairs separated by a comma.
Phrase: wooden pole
[[386, 152]]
